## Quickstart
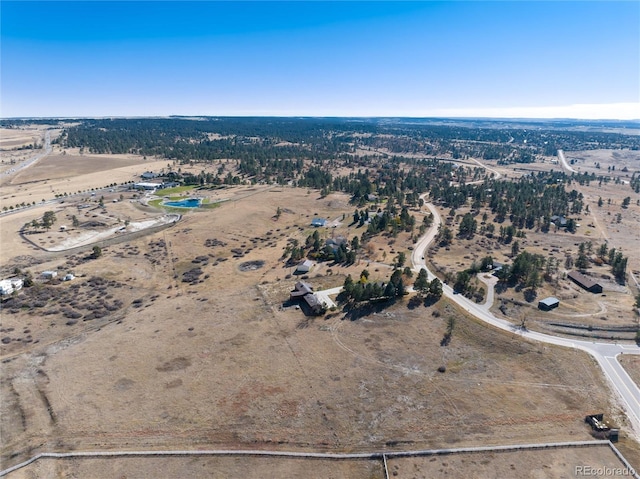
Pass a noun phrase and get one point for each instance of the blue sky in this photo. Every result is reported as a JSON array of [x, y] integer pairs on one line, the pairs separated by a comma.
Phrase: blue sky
[[534, 59]]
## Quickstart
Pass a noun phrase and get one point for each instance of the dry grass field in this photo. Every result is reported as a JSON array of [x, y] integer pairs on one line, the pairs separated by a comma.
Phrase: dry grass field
[[552, 463], [12, 139], [556, 463], [203, 467], [70, 164]]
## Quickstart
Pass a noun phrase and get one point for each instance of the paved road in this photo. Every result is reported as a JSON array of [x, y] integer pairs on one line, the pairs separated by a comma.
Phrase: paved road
[[564, 162], [604, 353], [496, 173], [26, 164]]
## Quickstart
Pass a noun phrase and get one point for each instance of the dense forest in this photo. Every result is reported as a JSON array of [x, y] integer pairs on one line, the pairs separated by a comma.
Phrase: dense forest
[[323, 138]]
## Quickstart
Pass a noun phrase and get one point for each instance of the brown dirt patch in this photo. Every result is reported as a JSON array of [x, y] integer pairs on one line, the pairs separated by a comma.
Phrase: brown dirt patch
[[202, 466], [553, 463]]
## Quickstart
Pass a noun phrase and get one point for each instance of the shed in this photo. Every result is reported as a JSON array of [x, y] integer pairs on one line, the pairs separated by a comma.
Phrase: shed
[[49, 274], [317, 222], [585, 282], [549, 303], [305, 266], [68, 277]]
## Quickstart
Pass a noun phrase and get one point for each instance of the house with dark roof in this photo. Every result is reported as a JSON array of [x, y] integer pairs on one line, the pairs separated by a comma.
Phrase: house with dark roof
[[335, 243], [559, 221], [304, 291], [301, 288], [585, 282]]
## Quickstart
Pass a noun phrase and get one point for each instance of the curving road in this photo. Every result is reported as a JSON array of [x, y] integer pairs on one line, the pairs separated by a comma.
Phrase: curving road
[[604, 353], [564, 162]]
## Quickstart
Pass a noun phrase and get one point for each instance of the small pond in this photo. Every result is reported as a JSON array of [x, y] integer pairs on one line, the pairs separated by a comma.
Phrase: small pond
[[188, 203]]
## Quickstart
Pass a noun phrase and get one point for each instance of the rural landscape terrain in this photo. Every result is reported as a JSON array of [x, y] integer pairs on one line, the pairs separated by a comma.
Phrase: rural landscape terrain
[[319, 297]]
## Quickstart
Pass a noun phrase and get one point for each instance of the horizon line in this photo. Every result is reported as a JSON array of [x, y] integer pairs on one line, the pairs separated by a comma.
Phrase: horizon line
[[415, 117]]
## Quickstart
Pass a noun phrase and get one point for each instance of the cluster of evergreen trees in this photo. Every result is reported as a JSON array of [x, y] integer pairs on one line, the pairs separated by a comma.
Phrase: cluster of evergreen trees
[[612, 257], [432, 290], [365, 290], [341, 252]]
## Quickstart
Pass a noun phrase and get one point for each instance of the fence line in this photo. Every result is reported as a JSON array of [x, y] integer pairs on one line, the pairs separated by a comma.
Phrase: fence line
[[376, 455], [629, 467]]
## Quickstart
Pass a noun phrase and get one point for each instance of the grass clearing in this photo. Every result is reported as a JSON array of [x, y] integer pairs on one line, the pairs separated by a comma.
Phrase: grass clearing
[[174, 190]]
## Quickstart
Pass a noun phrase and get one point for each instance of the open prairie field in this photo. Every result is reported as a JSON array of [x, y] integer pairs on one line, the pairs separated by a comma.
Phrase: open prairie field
[[553, 463], [179, 339], [15, 138], [68, 164], [202, 466], [61, 184]]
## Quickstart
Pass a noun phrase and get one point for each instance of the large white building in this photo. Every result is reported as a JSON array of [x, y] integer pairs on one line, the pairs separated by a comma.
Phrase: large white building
[[147, 186], [8, 286]]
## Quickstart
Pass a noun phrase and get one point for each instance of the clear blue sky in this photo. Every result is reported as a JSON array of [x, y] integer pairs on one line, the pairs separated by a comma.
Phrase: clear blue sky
[[329, 59]]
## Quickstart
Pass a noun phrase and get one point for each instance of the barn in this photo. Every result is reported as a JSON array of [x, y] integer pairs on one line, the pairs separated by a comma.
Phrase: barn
[[585, 282]]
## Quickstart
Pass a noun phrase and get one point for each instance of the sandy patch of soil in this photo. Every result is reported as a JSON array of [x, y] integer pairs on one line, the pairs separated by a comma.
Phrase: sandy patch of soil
[[90, 237]]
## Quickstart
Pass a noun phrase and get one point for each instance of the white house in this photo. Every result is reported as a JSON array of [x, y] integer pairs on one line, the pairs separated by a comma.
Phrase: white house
[[147, 186], [49, 274], [305, 266]]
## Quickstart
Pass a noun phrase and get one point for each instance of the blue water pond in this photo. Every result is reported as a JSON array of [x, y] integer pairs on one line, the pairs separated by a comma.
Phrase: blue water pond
[[189, 203]]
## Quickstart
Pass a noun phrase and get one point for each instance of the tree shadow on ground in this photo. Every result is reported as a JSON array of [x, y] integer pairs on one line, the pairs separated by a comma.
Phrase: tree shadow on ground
[[365, 309], [414, 302]]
